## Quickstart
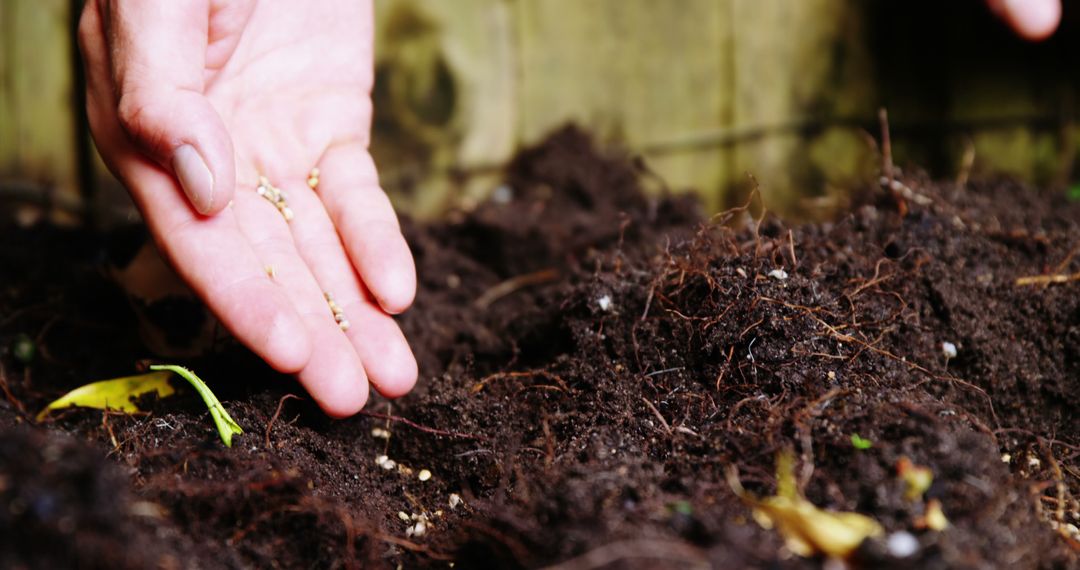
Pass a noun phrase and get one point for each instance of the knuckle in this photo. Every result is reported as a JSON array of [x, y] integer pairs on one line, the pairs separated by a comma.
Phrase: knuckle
[[135, 112]]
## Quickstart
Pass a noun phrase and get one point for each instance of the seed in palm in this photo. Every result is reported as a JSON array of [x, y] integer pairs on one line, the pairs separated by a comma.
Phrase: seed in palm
[[275, 196]]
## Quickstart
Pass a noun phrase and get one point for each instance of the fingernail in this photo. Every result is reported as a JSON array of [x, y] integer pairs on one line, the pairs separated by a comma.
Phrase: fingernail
[[195, 177]]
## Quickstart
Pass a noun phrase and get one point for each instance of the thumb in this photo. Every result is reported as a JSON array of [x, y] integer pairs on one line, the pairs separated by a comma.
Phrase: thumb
[[158, 63], [1032, 19]]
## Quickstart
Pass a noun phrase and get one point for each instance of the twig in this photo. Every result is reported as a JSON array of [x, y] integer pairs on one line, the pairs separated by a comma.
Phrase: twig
[[526, 374], [664, 371], [887, 169], [886, 147], [966, 162], [1047, 279], [513, 284], [1068, 257], [876, 279], [423, 428], [9, 395], [280, 405], [667, 426], [648, 302], [791, 248], [1059, 484]]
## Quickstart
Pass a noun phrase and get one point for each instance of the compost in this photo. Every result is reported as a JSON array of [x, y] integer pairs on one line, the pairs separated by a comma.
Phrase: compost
[[598, 362]]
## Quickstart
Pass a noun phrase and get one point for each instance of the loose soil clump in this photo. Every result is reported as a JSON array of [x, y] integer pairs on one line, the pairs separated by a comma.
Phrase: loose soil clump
[[595, 362]]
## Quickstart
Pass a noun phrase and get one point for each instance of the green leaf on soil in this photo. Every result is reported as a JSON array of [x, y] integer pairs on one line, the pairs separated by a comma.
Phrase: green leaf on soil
[[226, 426], [860, 443], [121, 394], [807, 530], [117, 394]]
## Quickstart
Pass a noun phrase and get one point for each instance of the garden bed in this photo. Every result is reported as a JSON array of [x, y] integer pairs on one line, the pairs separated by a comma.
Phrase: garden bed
[[595, 365]]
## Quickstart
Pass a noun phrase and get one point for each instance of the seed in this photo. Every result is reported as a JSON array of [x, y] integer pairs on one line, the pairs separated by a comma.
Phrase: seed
[[455, 500], [380, 433], [424, 475], [404, 517], [270, 271], [902, 544]]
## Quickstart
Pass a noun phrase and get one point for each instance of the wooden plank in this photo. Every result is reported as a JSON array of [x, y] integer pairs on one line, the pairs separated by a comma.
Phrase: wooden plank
[[636, 69], [444, 99], [38, 133], [800, 66]]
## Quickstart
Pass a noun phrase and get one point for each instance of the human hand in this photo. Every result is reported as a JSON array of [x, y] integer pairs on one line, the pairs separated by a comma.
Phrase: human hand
[[1031, 19], [188, 99]]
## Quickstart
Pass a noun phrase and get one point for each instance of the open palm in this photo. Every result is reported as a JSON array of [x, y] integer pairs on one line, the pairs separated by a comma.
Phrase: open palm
[[190, 102]]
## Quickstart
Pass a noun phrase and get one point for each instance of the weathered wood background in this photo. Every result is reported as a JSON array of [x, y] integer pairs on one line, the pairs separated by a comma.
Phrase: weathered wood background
[[706, 90]]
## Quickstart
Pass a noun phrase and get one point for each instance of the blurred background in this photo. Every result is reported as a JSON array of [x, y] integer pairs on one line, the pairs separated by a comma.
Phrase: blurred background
[[705, 90]]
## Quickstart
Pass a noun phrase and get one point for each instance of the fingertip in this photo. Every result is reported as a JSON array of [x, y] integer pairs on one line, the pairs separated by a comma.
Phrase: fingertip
[[344, 403], [399, 380], [334, 375], [388, 270], [1033, 20], [388, 361]]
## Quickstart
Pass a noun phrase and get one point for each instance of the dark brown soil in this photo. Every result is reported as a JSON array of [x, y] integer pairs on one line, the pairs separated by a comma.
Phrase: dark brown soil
[[593, 361]]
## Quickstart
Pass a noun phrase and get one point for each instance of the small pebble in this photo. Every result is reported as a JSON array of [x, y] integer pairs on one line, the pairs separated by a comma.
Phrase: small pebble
[[503, 194], [902, 544]]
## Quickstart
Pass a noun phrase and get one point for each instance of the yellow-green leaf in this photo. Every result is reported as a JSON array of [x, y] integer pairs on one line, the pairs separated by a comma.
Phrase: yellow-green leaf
[[120, 394], [917, 478], [226, 426], [116, 394], [807, 530]]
